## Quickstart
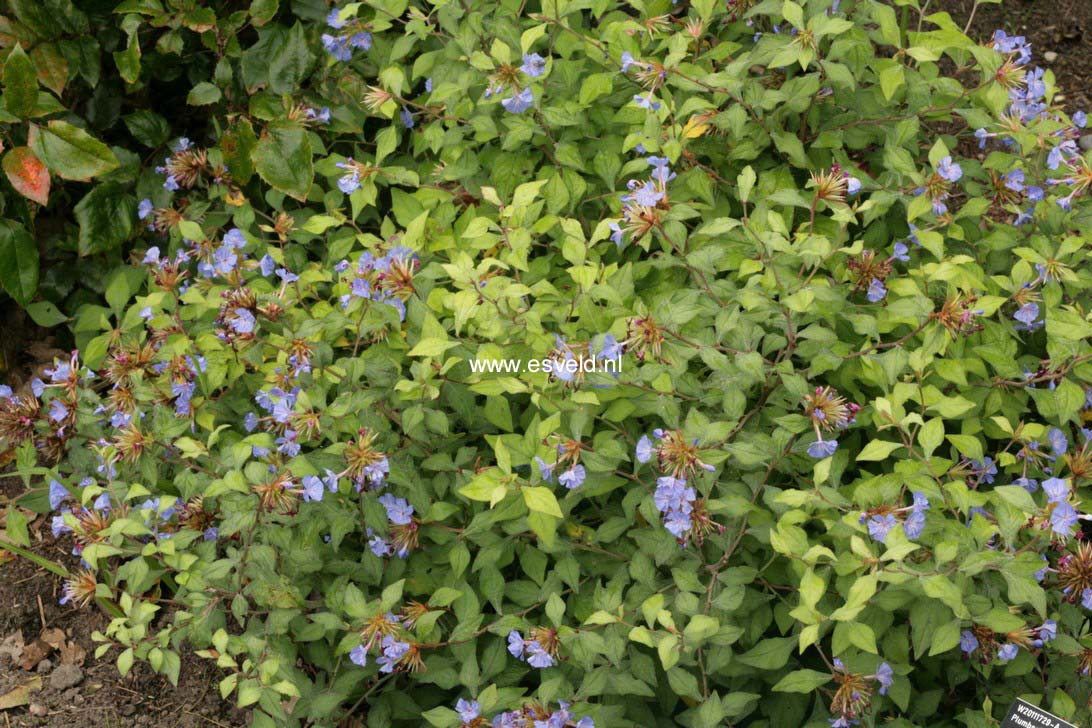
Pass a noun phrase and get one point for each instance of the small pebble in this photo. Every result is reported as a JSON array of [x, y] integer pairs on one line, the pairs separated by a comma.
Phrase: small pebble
[[43, 667], [38, 709], [65, 677], [1085, 142], [1050, 56]]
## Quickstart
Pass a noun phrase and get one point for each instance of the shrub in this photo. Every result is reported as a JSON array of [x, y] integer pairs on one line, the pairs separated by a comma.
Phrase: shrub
[[838, 480]]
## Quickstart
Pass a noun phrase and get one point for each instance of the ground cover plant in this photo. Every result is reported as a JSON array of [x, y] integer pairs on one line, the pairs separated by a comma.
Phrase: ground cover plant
[[839, 247]]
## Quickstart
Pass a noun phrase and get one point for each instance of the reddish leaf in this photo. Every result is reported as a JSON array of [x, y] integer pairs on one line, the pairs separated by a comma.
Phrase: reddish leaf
[[27, 174], [52, 66]]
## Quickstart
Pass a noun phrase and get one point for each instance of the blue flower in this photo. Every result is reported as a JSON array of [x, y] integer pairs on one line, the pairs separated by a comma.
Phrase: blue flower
[[647, 195], [1063, 518], [644, 449], [359, 655], [516, 644], [428, 84], [145, 208], [57, 494], [1008, 652], [885, 676], [538, 657], [981, 135], [267, 265], [1056, 489], [1048, 631], [350, 181], [286, 275], [1080, 119], [1059, 443], [313, 489], [1026, 315], [399, 512], [243, 323], [534, 65], [949, 170], [647, 102], [678, 523], [628, 60], [1014, 180], [468, 710], [235, 238], [672, 495], [250, 421], [520, 102], [901, 252], [361, 40], [1028, 484], [877, 291], [337, 46], [57, 410], [545, 469], [573, 477], [853, 186], [968, 642], [1086, 597], [379, 546], [406, 116], [151, 255], [822, 448], [393, 651], [880, 526]]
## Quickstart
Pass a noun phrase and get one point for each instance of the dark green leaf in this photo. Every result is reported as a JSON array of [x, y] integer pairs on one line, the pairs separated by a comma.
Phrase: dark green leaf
[[106, 216], [71, 152], [18, 261], [282, 158], [20, 84]]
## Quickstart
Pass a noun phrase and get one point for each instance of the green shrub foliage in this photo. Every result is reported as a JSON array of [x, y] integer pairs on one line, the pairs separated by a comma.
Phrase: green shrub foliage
[[839, 250]]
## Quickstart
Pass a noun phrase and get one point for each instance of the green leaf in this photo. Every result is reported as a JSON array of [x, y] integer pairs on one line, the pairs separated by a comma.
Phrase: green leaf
[[45, 314], [128, 60], [541, 500], [20, 84], [71, 152], [106, 216], [147, 127], [878, 450], [203, 94], [282, 158], [802, 681], [18, 262]]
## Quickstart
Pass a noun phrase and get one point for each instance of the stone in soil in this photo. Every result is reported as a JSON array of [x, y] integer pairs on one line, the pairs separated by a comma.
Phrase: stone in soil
[[1086, 142], [1050, 56], [65, 677]]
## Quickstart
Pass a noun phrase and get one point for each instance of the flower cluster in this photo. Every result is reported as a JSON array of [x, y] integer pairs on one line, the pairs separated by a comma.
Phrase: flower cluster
[[529, 716], [568, 460], [522, 97], [381, 632], [402, 529], [880, 521], [1005, 647], [539, 649], [386, 279], [643, 206], [854, 693], [351, 35], [829, 412], [685, 515]]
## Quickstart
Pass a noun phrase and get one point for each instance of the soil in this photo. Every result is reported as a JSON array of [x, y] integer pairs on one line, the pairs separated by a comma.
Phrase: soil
[[1062, 27], [72, 688], [77, 691]]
